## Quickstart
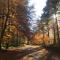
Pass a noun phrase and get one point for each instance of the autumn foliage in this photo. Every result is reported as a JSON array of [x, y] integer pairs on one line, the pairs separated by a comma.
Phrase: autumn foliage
[[38, 38]]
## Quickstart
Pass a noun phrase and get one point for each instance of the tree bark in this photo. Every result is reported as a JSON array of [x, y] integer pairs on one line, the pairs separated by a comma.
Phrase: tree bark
[[3, 30]]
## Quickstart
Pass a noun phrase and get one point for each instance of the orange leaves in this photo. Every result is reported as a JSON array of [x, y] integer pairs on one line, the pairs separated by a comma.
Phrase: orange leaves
[[38, 38]]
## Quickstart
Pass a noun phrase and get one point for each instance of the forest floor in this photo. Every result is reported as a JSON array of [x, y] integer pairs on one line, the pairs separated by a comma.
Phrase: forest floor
[[29, 52]]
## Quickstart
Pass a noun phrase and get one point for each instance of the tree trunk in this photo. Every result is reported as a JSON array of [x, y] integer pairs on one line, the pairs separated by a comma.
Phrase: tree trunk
[[57, 31], [3, 30], [54, 43], [48, 28], [7, 45], [43, 35]]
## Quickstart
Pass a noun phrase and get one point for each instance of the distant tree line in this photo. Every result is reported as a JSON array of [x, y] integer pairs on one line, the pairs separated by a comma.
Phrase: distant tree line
[[48, 21]]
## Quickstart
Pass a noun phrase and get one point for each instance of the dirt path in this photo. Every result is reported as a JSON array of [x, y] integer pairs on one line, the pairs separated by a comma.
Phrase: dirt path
[[30, 53]]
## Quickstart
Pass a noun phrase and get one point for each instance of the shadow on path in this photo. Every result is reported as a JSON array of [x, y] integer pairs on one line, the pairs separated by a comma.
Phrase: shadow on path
[[15, 55], [53, 54]]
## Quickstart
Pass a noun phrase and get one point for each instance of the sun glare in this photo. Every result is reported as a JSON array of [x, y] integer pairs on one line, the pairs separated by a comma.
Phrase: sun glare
[[38, 5], [38, 8]]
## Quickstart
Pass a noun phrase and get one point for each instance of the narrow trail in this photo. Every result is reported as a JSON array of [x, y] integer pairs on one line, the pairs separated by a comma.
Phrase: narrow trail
[[30, 53]]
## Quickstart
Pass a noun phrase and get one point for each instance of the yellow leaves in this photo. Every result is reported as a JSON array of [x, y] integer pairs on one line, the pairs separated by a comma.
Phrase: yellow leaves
[[12, 28], [12, 16], [7, 38], [1, 21]]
